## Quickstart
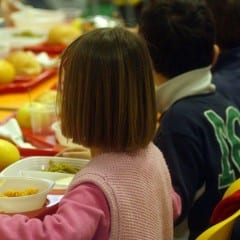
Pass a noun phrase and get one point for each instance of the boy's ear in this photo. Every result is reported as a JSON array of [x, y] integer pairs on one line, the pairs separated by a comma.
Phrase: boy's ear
[[216, 52], [158, 78]]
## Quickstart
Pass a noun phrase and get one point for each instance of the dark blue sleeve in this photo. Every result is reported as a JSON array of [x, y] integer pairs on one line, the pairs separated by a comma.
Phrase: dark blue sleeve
[[185, 165]]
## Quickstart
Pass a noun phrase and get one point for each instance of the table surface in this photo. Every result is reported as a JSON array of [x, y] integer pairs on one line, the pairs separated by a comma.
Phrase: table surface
[[9, 103]]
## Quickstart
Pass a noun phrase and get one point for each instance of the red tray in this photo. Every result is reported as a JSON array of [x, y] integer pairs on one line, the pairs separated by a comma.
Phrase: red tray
[[45, 145], [21, 84], [51, 49]]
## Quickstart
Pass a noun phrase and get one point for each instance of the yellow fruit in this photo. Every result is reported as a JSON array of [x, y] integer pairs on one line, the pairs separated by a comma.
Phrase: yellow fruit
[[63, 34], [7, 72], [9, 153], [77, 23], [25, 63], [23, 115]]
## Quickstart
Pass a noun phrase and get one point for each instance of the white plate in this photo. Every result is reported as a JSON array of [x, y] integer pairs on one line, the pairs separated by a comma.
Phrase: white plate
[[61, 179], [10, 35], [34, 166]]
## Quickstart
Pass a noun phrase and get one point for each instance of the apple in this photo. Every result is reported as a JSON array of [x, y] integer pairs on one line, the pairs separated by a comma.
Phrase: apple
[[36, 115], [23, 115]]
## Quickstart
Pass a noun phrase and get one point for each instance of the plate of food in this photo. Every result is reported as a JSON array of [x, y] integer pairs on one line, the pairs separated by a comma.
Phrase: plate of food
[[18, 38], [58, 38], [16, 191], [24, 83], [52, 200], [59, 169], [28, 70]]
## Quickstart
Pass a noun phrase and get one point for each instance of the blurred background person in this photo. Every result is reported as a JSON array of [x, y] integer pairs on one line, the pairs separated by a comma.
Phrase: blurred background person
[[226, 72], [129, 11]]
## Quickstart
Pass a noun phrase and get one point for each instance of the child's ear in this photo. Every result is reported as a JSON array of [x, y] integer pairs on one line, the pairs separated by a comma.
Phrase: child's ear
[[216, 52], [158, 78]]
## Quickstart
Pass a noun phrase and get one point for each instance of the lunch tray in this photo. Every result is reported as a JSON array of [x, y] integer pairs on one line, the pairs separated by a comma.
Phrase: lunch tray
[[50, 49], [21, 84]]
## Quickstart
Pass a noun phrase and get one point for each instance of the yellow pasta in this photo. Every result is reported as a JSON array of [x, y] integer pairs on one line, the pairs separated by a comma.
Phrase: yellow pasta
[[19, 193]]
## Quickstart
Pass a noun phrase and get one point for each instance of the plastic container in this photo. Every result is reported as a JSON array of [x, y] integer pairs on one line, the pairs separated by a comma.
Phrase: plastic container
[[38, 165], [25, 203]]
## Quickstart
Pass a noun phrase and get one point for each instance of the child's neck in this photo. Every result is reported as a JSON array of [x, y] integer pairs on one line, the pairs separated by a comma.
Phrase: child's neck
[[95, 152]]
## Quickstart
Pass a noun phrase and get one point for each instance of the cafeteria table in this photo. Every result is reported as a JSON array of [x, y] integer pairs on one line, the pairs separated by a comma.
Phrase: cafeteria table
[[10, 102]]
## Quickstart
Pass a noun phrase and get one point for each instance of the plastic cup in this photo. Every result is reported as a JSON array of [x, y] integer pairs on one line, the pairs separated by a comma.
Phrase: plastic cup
[[42, 118]]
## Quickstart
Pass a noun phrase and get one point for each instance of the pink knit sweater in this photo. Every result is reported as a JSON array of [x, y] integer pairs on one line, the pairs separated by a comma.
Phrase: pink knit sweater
[[138, 190]]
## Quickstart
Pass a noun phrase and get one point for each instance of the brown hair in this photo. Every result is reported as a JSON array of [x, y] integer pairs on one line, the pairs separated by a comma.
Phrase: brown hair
[[107, 92]]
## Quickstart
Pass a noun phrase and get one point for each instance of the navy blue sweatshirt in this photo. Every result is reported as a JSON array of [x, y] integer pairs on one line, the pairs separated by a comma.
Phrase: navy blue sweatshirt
[[200, 139]]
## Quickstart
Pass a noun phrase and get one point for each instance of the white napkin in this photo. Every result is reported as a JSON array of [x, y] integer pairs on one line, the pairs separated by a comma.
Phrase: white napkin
[[11, 130]]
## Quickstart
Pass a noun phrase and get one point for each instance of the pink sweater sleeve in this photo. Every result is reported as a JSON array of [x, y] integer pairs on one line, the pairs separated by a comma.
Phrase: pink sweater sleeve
[[177, 205], [83, 213]]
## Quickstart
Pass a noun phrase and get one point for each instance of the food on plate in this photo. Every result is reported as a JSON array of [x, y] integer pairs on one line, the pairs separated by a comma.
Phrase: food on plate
[[9, 153], [61, 167], [26, 194], [27, 33], [7, 71], [63, 34], [47, 97], [23, 114], [25, 63], [19, 193]]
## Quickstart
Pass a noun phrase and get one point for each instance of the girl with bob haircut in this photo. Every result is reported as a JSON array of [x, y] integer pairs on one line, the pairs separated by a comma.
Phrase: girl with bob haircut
[[108, 97], [107, 103]]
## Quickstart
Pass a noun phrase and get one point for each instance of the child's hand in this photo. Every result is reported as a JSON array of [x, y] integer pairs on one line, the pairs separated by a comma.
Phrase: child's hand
[[77, 152]]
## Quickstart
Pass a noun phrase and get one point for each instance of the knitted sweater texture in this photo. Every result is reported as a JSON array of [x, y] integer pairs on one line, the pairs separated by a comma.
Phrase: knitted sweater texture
[[138, 189]]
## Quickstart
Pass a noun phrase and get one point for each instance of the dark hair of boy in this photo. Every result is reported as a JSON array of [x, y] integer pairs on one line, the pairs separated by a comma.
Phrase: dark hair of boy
[[176, 45], [122, 120]]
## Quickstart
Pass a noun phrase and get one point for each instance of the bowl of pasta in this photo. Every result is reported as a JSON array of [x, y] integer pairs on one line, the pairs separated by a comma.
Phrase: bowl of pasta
[[23, 194]]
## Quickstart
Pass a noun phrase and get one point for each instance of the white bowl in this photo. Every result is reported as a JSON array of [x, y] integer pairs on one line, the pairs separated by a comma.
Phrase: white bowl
[[26, 203], [32, 18], [37, 166]]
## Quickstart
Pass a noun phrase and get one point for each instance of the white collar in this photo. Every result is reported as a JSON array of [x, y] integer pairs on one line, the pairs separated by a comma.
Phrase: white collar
[[187, 84]]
